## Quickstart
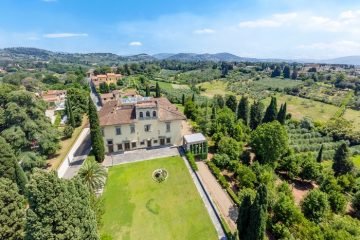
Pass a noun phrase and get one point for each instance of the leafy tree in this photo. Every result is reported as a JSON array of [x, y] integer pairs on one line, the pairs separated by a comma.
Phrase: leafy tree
[[104, 87], [9, 167], [245, 176], [157, 90], [269, 141], [221, 160], [97, 141], [30, 160], [243, 219], [294, 74], [319, 157], [310, 169], [219, 101], [93, 175], [12, 211], [281, 117], [230, 147], [59, 209], [286, 72], [337, 202], [190, 109], [276, 72], [271, 111], [112, 87], [258, 215], [256, 114], [285, 210], [243, 110], [342, 163], [231, 102], [68, 131], [315, 206], [355, 203], [51, 79]]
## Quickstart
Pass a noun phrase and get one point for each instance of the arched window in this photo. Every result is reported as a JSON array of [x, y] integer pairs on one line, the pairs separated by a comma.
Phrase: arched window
[[147, 113], [141, 115], [154, 113]]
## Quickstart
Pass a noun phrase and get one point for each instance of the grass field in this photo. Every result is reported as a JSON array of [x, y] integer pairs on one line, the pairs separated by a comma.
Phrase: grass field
[[356, 160], [137, 207], [214, 87]]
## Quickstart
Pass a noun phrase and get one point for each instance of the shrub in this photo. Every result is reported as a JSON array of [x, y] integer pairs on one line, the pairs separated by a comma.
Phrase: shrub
[[315, 206], [356, 204], [68, 131], [337, 202], [221, 160], [191, 159], [217, 173]]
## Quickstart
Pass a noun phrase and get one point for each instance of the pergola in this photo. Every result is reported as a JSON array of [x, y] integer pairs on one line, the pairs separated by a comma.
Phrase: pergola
[[195, 143]]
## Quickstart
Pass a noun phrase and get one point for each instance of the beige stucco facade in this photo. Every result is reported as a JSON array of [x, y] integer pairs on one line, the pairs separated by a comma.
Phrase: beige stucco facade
[[138, 135]]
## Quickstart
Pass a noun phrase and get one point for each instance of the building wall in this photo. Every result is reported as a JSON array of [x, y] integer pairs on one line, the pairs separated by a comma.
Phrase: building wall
[[158, 130]]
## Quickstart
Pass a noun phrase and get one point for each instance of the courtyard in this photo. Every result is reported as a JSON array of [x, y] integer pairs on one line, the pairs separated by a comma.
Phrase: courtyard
[[171, 209]]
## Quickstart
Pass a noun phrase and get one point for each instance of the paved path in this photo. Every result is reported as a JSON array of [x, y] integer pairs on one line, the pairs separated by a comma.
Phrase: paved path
[[217, 193], [140, 155], [209, 204]]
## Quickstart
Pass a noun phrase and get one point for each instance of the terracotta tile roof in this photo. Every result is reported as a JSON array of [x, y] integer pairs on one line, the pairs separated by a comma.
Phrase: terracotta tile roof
[[110, 74], [112, 113], [101, 76]]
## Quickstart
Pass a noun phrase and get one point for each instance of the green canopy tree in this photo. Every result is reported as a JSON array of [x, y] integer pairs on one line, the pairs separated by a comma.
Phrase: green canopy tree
[[271, 111], [59, 209], [315, 206], [258, 215], [93, 175], [244, 110], [342, 163], [276, 72], [269, 141], [97, 141], [12, 211], [231, 102], [157, 90], [286, 72], [256, 114], [243, 219], [281, 117]]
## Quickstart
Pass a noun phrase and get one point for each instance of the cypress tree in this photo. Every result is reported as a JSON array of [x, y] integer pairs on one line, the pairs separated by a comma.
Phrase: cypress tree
[[286, 72], [294, 74], [69, 111], [256, 114], [243, 110], [157, 90], [95, 133], [342, 163], [231, 102], [271, 111], [147, 91], [258, 215], [243, 219], [213, 113], [319, 157], [193, 98], [183, 100], [281, 117], [12, 211]]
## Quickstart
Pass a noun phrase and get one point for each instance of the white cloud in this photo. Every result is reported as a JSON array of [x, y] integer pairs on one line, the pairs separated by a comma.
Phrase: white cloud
[[33, 38], [343, 47], [64, 35], [135, 44], [204, 31], [277, 20]]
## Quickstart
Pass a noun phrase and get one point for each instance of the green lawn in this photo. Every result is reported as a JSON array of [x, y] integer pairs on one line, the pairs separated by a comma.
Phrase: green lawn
[[356, 160], [137, 207]]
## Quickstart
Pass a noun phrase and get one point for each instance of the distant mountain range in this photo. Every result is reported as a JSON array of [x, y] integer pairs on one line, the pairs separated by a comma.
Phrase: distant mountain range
[[35, 54]]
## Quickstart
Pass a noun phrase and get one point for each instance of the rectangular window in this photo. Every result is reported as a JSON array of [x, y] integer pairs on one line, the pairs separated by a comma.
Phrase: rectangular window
[[133, 145], [132, 128], [119, 147], [155, 141], [167, 127], [142, 142], [147, 128], [102, 131], [110, 142], [118, 130], [168, 140]]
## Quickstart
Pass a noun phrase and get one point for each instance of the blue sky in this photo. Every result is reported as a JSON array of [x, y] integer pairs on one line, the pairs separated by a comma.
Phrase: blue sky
[[256, 28]]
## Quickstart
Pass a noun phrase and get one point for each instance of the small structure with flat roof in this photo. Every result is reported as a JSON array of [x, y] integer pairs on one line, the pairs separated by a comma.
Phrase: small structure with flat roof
[[196, 144]]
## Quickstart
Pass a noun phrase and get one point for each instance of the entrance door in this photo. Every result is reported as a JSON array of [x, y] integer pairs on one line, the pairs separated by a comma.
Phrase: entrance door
[[162, 141], [111, 148], [148, 143], [127, 146]]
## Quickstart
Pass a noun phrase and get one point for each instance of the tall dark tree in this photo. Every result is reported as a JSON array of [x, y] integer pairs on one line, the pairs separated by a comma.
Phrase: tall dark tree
[[12, 211], [193, 97], [231, 102], [219, 101], [342, 163], [244, 110], [97, 141], [319, 157], [70, 114], [286, 72], [256, 114], [243, 219], [213, 113], [294, 74], [281, 117], [183, 100], [9, 166], [147, 91], [157, 90], [271, 111], [258, 215], [276, 72], [59, 209]]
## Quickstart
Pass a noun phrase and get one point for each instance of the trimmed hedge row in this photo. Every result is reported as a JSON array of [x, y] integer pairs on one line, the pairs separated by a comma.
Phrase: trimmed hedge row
[[191, 159], [217, 173]]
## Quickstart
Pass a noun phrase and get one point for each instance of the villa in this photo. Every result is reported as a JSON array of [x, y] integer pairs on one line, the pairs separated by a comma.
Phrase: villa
[[105, 78], [140, 122]]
